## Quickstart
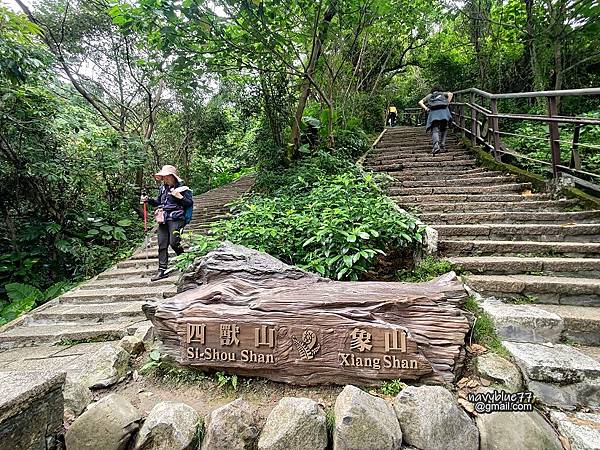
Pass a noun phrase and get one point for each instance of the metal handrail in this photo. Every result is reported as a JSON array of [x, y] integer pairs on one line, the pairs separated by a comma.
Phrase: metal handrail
[[484, 126]]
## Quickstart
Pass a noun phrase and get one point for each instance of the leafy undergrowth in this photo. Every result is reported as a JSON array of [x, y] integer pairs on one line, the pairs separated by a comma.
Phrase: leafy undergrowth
[[323, 215], [23, 298], [427, 269], [483, 331]]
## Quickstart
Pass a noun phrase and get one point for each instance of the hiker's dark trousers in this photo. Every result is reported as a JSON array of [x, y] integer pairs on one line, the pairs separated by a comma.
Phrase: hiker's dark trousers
[[392, 119], [439, 131], [168, 234]]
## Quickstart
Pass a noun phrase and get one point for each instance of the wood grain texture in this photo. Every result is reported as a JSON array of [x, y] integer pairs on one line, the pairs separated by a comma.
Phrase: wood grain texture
[[315, 323]]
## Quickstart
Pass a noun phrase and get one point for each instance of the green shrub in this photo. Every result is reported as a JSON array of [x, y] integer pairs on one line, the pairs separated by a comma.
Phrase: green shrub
[[23, 298], [428, 269], [337, 225]]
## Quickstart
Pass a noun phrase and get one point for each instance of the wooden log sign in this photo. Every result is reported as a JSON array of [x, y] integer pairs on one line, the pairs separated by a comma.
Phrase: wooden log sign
[[256, 316]]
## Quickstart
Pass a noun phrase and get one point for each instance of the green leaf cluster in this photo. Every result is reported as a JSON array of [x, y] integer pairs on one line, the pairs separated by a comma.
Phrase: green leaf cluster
[[24, 297], [335, 222]]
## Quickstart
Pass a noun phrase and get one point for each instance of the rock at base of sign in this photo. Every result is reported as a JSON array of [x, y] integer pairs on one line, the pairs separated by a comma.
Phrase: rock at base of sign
[[499, 370], [294, 423], [102, 368], [291, 326], [108, 424], [431, 418], [231, 427], [170, 425], [364, 422], [132, 344], [77, 398], [516, 430]]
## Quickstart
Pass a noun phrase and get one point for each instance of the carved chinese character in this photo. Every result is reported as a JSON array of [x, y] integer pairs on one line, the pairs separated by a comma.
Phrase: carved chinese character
[[361, 340], [395, 340], [195, 333], [229, 333], [308, 346], [264, 336]]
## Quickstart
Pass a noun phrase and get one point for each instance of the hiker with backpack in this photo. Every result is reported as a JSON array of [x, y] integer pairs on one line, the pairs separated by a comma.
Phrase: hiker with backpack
[[439, 117], [392, 116], [174, 207]]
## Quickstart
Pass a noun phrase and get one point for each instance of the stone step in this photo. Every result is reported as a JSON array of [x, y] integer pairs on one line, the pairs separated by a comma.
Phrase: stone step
[[523, 323], [430, 159], [589, 232], [440, 175], [51, 333], [129, 282], [402, 152], [507, 265], [461, 189], [455, 182], [111, 295], [457, 164], [99, 312], [517, 248], [120, 274], [581, 323], [547, 205], [152, 253], [139, 263], [470, 198], [542, 289], [510, 217], [559, 375]]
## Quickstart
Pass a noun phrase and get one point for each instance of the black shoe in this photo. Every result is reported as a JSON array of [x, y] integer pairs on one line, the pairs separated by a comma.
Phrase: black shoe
[[159, 275], [436, 149], [443, 148]]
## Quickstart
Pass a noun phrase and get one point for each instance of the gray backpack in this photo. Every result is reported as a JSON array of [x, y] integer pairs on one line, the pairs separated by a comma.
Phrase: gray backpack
[[437, 101]]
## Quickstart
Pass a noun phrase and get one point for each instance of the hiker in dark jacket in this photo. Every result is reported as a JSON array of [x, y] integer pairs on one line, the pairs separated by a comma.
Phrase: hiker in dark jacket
[[173, 198], [439, 117]]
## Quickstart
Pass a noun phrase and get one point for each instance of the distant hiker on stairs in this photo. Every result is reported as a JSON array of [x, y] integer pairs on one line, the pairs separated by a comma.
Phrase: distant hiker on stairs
[[174, 204], [392, 116], [439, 117]]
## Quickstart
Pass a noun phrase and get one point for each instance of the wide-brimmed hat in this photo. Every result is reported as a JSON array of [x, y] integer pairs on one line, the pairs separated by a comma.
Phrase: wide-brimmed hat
[[168, 170]]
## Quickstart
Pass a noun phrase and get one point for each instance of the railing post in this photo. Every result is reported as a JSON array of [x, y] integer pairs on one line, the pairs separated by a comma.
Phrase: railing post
[[461, 116], [474, 125], [554, 136], [575, 158], [495, 130]]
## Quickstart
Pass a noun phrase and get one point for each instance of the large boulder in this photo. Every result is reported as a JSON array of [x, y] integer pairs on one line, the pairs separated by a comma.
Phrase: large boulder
[[430, 418], [294, 423], [101, 368], [500, 371], [169, 426], [516, 430], [364, 422], [77, 398], [106, 425], [231, 427]]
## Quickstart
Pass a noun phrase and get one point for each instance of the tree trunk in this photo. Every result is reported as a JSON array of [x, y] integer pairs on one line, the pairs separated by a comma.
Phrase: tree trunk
[[317, 46]]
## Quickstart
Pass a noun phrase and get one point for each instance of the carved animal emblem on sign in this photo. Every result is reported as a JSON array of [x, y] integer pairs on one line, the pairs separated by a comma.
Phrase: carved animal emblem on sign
[[308, 346]]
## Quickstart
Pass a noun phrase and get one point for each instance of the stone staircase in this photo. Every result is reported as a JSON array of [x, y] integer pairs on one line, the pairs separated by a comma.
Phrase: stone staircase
[[108, 306], [538, 254]]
